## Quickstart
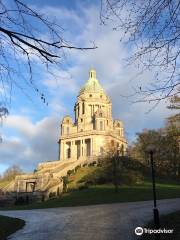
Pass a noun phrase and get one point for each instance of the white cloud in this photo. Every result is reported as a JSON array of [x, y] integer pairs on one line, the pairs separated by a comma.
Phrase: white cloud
[[36, 142]]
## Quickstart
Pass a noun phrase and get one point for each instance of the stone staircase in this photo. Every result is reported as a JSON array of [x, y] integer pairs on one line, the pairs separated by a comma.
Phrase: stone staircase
[[48, 177]]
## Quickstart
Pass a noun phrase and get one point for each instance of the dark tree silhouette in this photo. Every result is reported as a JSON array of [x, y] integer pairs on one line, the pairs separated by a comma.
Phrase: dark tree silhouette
[[152, 29], [26, 35]]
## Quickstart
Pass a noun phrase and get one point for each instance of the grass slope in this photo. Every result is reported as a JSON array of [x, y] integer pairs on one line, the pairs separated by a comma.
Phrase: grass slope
[[9, 225], [101, 194]]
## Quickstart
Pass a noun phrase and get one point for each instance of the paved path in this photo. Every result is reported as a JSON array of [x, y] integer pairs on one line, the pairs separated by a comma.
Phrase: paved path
[[98, 222]]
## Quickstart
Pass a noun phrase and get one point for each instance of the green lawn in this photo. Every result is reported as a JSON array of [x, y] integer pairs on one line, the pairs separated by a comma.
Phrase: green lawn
[[75, 178], [170, 221], [9, 225], [100, 194]]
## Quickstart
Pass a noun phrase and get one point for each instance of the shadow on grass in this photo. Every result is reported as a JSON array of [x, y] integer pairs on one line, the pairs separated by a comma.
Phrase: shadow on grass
[[103, 194], [9, 225]]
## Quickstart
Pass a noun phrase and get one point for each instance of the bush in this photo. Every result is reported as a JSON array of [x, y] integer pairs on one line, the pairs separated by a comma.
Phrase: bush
[[70, 172], [83, 186], [99, 176], [105, 174], [20, 201], [92, 164], [52, 194], [65, 184], [130, 177], [76, 168]]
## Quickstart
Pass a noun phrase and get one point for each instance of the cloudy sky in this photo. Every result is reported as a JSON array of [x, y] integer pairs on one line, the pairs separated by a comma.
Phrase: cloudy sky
[[30, 133]]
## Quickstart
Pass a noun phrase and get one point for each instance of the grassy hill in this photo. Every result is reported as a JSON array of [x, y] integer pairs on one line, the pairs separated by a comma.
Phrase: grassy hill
[[78, 195]]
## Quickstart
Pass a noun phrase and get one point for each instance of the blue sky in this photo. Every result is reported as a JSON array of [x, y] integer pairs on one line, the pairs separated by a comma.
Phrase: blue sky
[[30, 133]]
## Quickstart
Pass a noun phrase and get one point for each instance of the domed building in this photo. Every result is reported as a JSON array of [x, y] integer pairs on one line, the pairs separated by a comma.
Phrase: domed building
[[93, 128], [81, 141]]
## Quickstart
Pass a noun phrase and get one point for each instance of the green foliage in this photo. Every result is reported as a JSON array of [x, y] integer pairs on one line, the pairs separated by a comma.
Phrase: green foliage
[[92, 164], [166, 142], [98, 176], [74, 181], [83, 186], [52, 195], [70, 172], [65, 183], [128, 171], [77, 167], [130, 177]]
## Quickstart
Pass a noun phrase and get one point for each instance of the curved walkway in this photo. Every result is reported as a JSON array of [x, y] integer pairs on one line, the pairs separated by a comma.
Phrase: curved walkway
[[97, 222]]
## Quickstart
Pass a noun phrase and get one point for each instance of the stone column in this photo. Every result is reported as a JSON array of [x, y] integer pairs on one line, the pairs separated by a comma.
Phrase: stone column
[[59, 149], [91, 146], [24, 186], [17, 185], [73, 157], [82, 148]]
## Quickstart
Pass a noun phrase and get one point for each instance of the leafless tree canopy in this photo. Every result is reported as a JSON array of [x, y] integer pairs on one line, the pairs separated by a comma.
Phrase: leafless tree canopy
[[25, 35], [152, 28]]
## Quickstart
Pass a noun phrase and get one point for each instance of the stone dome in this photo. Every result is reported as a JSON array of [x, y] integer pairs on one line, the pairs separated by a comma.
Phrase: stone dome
[[92, 85]]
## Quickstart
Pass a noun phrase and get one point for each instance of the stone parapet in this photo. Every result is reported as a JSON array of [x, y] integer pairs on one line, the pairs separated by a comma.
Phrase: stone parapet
[[48, 164]]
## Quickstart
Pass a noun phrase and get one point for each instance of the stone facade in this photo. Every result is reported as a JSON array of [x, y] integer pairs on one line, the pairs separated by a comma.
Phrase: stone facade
[[81, 141], [93, 127]]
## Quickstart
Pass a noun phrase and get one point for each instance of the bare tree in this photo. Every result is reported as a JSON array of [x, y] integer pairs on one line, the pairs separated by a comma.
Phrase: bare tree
[[174, 105], [12, 172], [27, 35], [152, 29]]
